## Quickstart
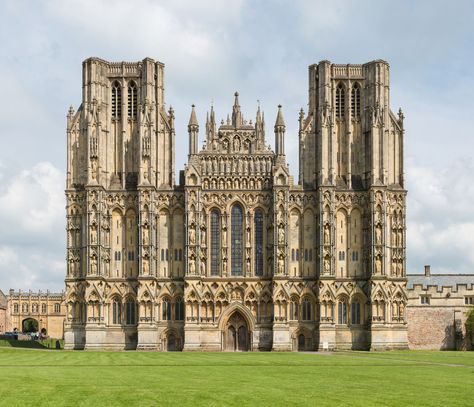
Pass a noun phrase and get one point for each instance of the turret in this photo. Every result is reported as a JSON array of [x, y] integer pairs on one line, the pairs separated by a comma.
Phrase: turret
[[236, 113], [193, 129], [280, 133]]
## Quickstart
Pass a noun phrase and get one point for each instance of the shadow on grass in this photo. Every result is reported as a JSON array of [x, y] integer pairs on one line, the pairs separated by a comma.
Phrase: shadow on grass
[[15, 343]]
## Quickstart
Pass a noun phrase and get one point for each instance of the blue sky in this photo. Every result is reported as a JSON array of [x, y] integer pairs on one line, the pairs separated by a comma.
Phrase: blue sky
[[210, 50]]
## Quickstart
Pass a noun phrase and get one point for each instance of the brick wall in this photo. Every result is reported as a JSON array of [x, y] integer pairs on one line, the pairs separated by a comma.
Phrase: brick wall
[[433, 327]]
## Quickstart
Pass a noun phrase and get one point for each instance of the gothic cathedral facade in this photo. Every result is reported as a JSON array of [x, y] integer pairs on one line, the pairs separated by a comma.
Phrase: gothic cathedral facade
[[235, 255]]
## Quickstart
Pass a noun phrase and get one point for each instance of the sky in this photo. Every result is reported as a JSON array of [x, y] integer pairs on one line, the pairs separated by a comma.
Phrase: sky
[[211, 49]]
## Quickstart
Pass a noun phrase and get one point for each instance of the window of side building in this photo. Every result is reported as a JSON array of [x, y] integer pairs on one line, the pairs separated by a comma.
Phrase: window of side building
[[469, 300], [425, 299]]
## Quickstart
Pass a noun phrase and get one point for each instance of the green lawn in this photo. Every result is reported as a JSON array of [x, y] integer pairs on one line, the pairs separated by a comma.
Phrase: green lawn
[[83, 378]]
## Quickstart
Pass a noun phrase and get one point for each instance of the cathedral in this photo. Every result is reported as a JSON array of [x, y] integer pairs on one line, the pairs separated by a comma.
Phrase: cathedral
[[235, 255]]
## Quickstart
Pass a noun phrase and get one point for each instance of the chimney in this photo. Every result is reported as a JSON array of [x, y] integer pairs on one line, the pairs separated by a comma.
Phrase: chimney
[[427, 270]]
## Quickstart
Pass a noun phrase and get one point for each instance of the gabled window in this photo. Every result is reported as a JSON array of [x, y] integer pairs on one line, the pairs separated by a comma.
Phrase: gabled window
[[306, 310], [130, 312], [355, 317], [116, 312], [342, 312], [166, 308], [179, 310]]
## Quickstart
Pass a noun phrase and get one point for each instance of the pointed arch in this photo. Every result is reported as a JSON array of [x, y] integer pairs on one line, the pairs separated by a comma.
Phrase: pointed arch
[[116, 104]]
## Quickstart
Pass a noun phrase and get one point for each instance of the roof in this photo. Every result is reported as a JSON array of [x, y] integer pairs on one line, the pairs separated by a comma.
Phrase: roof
[[440, 280]]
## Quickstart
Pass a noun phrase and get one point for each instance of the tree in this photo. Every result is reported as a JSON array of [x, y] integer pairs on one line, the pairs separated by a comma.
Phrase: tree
[[470, 326]]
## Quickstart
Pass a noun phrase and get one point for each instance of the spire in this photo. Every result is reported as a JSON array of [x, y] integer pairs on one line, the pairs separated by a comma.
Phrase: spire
[[210, 126], [280, 133], [236, 113], [279, 120], [193, 129], [193, 120]]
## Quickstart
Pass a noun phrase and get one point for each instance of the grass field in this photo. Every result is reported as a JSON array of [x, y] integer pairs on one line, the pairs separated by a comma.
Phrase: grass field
[[77, 378]]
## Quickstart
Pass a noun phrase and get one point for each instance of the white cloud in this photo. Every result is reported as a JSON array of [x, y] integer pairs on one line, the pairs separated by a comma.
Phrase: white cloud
[[33, 237]]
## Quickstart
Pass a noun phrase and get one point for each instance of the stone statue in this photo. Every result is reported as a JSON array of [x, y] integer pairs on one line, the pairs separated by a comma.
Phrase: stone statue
[[281, 235]]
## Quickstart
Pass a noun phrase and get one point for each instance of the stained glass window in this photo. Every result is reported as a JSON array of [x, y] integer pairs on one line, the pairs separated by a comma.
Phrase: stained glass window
[[236, 240]]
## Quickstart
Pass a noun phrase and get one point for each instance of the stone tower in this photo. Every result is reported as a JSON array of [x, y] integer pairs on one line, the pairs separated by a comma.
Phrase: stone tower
[[120, 145], [351, 154]]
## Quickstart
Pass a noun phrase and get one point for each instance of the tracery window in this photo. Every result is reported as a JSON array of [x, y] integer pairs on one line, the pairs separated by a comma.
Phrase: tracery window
[[24, 307], [236, 240], [116, 312], [294, 310], [179, 310], [16, 308], [258, 230], [116, 100], [57, 307], [306, 310], [130, 312], [355, 317], [340, 101], [34, 307], [355, 101], [166, 310], [132, 100], [43, 308], [215, 242], [342, 312]]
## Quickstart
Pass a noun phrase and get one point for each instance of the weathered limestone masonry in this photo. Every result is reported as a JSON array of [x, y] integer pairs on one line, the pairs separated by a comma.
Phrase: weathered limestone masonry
[[46, 308], [437, 310], [237, 256]]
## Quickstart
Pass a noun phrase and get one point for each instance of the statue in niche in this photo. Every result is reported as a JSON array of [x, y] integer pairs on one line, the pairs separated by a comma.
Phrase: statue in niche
[[236, 144], [146, 269], [327, 266], [378, 265], [192, 235], [203, 235], [203, 267], [192, 266], [224, 236], [248, 234], [281, 266], [94, 169], [326, 234], [281, 234], [246, 145], [248, 265], [93, 265], [225, 145], [224, 265], [378, 235], [145, 234], [94, 234]]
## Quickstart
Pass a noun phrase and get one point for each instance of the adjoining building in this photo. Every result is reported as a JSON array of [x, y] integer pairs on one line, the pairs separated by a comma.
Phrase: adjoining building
[[40, 311], [3, 312], [236, 256], [437, 309]]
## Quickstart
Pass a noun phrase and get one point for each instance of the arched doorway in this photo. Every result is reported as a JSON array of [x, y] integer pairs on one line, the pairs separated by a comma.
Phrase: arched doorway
[[29, 325], [237, 334], [171, 343], [301, 343]]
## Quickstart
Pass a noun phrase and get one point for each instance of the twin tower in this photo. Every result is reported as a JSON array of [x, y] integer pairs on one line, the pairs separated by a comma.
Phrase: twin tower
[[235, 256]]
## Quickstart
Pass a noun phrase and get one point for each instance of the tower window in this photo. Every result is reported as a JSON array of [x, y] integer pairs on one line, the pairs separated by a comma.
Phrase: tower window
[[132, 100], [340, 101], [355, 101], [116, 100]]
